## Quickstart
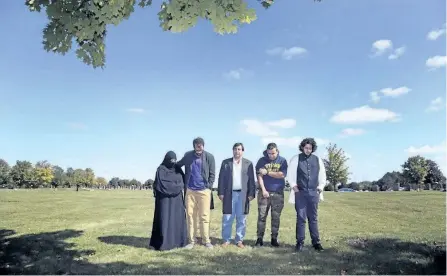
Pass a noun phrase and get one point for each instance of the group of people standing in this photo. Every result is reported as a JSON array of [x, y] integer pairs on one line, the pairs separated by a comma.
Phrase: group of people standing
[[183, 200]]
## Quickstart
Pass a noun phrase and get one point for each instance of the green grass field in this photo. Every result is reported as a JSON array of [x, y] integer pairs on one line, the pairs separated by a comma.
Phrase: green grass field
[[107, 232]]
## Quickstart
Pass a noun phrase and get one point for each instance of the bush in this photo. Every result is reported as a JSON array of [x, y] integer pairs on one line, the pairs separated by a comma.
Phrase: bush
[[414, 187], [355, 186], [329, 188], [375, 188]]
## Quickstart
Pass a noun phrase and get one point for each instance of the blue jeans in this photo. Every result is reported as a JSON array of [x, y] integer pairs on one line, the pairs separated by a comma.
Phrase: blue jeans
[[227, 220]]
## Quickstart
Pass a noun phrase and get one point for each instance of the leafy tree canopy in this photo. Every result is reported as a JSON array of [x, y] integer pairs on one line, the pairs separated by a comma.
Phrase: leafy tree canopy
[[4, 172], [85, 21], [434, 174], [337, 170], [415, 169]]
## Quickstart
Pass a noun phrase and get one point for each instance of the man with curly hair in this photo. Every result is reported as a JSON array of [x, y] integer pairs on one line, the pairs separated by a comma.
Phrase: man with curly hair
[[310, 181]]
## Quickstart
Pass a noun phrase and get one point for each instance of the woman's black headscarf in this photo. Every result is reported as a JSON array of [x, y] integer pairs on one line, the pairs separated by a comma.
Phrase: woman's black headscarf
[[169, 178]]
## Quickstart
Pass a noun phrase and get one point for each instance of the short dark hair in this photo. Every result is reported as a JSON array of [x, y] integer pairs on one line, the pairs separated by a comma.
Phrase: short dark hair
[[310, 141], [237, 145], [198, 141], [271, 146]]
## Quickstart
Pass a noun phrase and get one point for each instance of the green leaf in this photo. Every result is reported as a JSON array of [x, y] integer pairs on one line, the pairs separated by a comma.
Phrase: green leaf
[[86, 21]]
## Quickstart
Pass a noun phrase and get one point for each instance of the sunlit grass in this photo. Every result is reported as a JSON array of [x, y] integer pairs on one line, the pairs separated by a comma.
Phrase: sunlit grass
[[107, 232]]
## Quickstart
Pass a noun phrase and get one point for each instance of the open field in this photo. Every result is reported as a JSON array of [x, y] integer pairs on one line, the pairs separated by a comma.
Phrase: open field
[[107, 232]]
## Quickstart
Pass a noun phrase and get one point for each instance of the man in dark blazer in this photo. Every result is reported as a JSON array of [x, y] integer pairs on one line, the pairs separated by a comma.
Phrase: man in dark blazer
[[199, 178], [236, 188]]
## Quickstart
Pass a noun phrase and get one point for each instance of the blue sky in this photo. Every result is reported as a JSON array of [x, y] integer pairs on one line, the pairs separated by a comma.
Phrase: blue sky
[[367, 75]]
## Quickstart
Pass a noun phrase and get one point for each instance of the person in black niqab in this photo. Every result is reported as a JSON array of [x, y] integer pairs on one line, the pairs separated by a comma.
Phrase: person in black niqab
[[169, 228]]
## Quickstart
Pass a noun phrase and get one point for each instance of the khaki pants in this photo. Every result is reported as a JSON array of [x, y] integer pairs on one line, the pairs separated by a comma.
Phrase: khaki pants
[[198, 214]]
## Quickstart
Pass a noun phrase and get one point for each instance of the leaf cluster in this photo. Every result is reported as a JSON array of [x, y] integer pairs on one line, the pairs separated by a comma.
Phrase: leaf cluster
[[337, 170], [84, 22]]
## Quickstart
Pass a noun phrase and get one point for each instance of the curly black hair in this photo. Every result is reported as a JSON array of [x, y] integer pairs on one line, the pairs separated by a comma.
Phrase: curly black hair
[[310, 141]]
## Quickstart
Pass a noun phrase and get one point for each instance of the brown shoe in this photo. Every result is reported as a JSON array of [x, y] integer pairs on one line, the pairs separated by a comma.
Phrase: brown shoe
[[240, 245], [225, 244]]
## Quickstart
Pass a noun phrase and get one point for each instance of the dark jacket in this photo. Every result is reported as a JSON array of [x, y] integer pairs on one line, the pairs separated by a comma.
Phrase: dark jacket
[[208, 167], [225, 184], [309, 175]]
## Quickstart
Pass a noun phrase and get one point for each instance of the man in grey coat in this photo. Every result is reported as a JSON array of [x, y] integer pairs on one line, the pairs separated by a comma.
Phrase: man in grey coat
[[200, 174], [236, 188]]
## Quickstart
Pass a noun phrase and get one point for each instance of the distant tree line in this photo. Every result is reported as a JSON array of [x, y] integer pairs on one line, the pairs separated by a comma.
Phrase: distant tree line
[[24, 174], [418, 173]]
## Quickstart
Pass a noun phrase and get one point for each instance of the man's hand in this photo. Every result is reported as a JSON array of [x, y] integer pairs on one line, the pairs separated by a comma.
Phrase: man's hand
[[263, 171], [265, 194], [295, 189], [250, 198], [221, 197]]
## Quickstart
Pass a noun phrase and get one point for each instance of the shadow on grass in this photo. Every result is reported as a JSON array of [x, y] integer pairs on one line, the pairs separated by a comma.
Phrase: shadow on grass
[[137, 242], [141, 242], [393, 256], [50, 253], [35, 253]]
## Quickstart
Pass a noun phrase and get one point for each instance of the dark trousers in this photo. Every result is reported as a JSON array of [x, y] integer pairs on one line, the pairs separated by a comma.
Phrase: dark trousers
[[275, 202], [306, 206]]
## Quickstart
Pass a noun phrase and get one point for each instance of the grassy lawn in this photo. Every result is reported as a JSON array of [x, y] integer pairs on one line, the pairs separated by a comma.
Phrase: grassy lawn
[[107, 232]]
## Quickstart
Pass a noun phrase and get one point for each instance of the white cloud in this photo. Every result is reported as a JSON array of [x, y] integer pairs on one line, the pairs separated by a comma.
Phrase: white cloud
[[364, 114], [258, 128], [263, 129], [284, 123], [268, 134], [136, 110], [351, 132], [375, 98], [436, 105], [287, 53], [395, 92], [397, 53], [436, 33], [389, 92], [436, 62], [379, 47], [427, 149], [290, 142], [237, 74]]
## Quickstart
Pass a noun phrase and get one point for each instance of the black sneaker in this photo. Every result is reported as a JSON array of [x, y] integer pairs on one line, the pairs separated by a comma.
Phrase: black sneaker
[[259, 242], [274, 243], [318, 247], [299, 247]]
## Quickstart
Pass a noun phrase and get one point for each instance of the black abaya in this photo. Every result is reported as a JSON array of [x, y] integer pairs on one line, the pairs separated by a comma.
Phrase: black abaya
[[169, 228]]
